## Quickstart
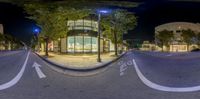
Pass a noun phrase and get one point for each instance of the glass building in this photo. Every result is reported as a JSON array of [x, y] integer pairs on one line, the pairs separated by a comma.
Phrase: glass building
[[82, 38]]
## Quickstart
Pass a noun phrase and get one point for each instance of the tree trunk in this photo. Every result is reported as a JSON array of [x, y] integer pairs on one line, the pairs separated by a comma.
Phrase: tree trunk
[[12, 47], [6, 45], [46, 48], [115, 41]]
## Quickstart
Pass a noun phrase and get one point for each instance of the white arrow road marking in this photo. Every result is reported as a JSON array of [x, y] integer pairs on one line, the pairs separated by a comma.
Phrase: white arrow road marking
[[160, 87], [17, 77], [38, 70]]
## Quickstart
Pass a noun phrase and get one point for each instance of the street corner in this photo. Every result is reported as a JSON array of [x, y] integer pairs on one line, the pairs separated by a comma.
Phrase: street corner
[[79, 65]]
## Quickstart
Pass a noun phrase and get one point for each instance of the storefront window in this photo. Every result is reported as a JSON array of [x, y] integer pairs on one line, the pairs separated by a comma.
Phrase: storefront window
[[94, 44], [70, 44], [79, 44], [83, 24], [87, 44], [82, 44]]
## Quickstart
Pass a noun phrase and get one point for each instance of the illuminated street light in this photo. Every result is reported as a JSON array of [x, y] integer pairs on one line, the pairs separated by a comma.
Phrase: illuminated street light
[[103, 11], [99, 19], [36, 32]]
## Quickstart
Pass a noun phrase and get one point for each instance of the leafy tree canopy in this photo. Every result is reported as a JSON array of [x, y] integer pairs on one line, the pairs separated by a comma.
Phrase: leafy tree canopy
[[52, 18], [81, 3], [165, 37], [187, 35], [119, 21]]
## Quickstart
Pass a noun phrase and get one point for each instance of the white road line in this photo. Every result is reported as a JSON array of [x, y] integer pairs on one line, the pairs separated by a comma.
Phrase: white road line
[[123, 67], [169, 55], [38, 70], [17, 77], [160, 87]]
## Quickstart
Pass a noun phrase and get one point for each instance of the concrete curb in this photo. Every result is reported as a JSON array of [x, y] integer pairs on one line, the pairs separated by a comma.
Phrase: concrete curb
[[79, 71]]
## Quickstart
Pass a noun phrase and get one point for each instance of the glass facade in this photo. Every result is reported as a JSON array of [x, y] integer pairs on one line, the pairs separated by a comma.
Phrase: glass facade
[[87, 44], [94, 44], [83, 25], [82, 37], [81, 44], [78, 43], [70, 44]]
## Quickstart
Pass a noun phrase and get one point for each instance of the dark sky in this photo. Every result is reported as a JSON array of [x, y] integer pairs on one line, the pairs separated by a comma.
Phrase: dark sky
[[150, 14], [14, 21], [154, 13]]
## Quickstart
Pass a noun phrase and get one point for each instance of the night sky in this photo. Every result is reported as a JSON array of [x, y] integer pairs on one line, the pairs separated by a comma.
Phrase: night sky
[[154, 13], [150, 13]]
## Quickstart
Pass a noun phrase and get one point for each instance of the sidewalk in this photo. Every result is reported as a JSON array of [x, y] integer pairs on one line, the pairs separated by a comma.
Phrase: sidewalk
[[79, 60]]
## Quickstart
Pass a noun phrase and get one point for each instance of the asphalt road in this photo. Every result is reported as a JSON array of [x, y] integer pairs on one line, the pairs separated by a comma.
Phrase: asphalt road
[[136, 75]]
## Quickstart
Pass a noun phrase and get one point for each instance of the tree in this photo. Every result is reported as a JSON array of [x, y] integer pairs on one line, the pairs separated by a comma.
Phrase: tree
[[52, 16], [52, 19], [7, 39], [164, 37], [82, 3], [2, 39], [116, 24], [187, 37], [198, 39]]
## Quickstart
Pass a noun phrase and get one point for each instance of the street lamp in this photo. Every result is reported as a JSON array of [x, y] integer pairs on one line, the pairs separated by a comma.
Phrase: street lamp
[[99, 19], [36, 30], [36, 33]]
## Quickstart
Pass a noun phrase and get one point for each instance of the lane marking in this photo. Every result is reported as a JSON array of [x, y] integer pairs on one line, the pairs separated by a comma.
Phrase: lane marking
[[38, 70], [169, 55], [17, 77], [124, 66], [160, 87]]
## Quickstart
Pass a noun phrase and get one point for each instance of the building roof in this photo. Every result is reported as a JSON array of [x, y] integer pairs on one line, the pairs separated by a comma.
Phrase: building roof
[[179, 26]]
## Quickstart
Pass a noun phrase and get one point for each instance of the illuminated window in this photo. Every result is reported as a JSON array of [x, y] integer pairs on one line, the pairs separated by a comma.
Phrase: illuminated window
[[82, 44], [70, 44], [79, 44], [83, 24], [94, 44], [87, 44]]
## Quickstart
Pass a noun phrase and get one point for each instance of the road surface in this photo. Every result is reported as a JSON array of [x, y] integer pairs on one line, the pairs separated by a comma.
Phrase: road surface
[[137, 75]]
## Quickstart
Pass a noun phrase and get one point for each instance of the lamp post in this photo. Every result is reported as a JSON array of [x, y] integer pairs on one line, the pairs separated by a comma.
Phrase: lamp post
[[36, 33], [99, 33]]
